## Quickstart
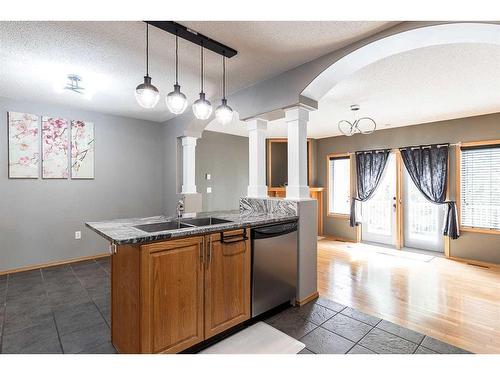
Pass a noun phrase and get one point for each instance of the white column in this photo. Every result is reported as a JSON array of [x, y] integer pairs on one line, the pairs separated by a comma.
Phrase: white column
[[188, 165], [257, 158], [296, 119]]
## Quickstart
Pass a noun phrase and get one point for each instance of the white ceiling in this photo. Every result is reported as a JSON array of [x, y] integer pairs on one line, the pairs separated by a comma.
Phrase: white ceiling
[[423, 85], [110, 58]]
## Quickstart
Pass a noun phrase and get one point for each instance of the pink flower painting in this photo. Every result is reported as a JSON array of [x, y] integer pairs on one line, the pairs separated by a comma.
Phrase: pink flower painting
[[55, 147], [82, 150], [24, 145]]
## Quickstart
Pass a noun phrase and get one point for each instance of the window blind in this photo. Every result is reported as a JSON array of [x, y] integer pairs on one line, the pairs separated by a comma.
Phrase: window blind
[[480, 187]]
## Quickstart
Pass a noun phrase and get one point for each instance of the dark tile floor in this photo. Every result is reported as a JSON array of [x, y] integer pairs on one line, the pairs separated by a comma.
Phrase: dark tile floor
[[327, 327], [66, 309], [62, 309]]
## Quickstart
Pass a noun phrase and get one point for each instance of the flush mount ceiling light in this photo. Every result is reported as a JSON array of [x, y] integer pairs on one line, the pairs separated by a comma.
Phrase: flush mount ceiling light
[[224, 113], [176, 100], [363, 125], [73, 84], [202, 108], [146, 94]]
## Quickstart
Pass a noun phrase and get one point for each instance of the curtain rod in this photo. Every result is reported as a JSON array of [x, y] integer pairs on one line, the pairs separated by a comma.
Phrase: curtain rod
[[412, 147]]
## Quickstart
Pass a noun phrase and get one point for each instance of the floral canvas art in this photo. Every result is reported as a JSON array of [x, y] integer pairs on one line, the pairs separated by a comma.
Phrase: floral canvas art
[[82, 150], [55, 147], [24, 145]]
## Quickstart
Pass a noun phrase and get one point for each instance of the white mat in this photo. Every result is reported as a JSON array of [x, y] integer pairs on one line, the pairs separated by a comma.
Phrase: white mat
[[260, 338]]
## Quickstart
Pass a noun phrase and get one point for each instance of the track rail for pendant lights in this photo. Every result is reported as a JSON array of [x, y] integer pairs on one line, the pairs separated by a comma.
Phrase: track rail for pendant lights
[[146, 94]]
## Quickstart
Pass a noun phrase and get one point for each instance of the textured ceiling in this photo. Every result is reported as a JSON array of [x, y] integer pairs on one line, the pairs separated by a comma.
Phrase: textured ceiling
[[423, 85], [110, 58]]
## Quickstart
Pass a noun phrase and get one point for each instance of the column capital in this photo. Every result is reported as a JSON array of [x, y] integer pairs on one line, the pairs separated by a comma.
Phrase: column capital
[[188, 140], [297, 113], [256, 124]]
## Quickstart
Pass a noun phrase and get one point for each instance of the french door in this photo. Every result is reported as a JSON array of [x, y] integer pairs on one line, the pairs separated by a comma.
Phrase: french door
[[378, 214], [422, 220]]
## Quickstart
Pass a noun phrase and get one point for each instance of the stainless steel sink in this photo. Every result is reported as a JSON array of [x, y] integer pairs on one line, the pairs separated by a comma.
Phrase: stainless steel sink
[[204, 221], [158, 227]]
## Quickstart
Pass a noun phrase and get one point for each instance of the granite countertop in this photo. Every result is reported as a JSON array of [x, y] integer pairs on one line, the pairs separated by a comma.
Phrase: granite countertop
[[122, 231]]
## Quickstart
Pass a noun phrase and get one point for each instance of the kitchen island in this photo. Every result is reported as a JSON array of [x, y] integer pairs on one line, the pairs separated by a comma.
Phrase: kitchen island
[[178, 282]]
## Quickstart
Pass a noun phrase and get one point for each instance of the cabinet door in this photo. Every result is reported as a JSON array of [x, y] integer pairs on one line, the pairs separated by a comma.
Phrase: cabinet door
[[176, 295], [227, 284]]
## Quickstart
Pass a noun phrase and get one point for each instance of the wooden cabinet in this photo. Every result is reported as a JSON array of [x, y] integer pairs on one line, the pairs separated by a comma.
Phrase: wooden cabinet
[[174, 281], [314, 193], [168, 296], [227, 282]]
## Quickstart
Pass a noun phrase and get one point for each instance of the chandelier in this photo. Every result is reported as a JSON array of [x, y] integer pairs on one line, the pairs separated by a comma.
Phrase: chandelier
[[363, 125]]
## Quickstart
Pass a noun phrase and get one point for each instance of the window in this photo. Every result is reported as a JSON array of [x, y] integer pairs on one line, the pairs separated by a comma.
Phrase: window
[[339, 185], [480, 187]]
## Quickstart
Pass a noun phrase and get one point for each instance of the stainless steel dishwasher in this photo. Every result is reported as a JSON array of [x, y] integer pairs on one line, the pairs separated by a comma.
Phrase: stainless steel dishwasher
[[274, 266]]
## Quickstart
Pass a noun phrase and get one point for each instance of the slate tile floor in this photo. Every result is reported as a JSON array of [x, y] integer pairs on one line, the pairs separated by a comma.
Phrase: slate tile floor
[[327, 327], [66, 309], [61, 309]]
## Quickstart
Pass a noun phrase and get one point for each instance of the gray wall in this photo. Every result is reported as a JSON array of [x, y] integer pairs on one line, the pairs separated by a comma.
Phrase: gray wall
[[38, 218], [279, 164], [225, 157], [476, 246]]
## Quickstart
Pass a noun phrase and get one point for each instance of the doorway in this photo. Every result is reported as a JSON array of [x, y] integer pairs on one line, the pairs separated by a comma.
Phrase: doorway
[[398, 215]]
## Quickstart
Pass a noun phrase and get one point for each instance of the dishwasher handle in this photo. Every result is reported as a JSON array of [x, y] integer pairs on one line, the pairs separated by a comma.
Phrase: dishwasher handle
[[274, 230]]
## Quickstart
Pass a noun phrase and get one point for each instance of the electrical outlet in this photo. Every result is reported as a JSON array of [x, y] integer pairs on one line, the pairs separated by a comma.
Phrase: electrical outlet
[[209, 190], [208, 176], [78, 235]]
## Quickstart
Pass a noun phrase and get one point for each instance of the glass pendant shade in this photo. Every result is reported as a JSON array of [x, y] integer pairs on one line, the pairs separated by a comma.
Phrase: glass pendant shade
[[202, 108], [224, 113], [146, 94], [176, 101]]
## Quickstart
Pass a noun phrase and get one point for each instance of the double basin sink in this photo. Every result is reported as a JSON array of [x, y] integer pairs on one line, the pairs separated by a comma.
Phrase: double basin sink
[[181, 224]]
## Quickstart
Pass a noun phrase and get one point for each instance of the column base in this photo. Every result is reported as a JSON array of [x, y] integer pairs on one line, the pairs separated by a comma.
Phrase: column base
[[189, 189], [257, 191], [297, 192]]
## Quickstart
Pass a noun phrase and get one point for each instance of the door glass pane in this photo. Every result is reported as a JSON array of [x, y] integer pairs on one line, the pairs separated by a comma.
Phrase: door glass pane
[[423, 219], [379, 213]]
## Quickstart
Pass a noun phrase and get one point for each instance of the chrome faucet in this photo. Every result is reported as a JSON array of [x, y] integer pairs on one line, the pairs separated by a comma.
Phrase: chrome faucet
[[180, 208]]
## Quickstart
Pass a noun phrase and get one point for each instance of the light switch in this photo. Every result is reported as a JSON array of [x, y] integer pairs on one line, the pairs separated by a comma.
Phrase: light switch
[[208, 176], [209, 189]]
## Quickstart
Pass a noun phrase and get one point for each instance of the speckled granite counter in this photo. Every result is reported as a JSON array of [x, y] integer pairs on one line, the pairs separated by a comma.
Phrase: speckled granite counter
[[122, 231]]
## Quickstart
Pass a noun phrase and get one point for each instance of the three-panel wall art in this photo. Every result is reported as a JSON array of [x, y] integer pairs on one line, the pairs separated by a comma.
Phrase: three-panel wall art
[[65, 148]]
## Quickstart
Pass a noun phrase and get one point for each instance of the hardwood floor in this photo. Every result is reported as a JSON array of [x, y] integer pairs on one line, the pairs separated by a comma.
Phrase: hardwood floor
[[452, 301]]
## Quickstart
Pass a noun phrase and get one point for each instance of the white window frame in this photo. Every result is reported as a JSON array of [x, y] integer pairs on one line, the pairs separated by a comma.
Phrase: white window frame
[[458, 156], [328, 158]]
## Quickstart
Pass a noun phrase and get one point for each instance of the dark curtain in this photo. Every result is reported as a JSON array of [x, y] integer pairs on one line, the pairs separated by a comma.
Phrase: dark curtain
[[369, 168], [428, 169]]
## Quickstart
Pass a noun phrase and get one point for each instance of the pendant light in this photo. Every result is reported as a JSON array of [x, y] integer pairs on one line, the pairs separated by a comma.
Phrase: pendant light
[[176, 100], [202, 108], [146, 94], [224, 113]]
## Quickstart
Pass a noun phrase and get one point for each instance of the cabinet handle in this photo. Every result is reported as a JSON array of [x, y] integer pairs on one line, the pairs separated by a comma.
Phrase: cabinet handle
[[233, 238], [209, 251], [202, 252]]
